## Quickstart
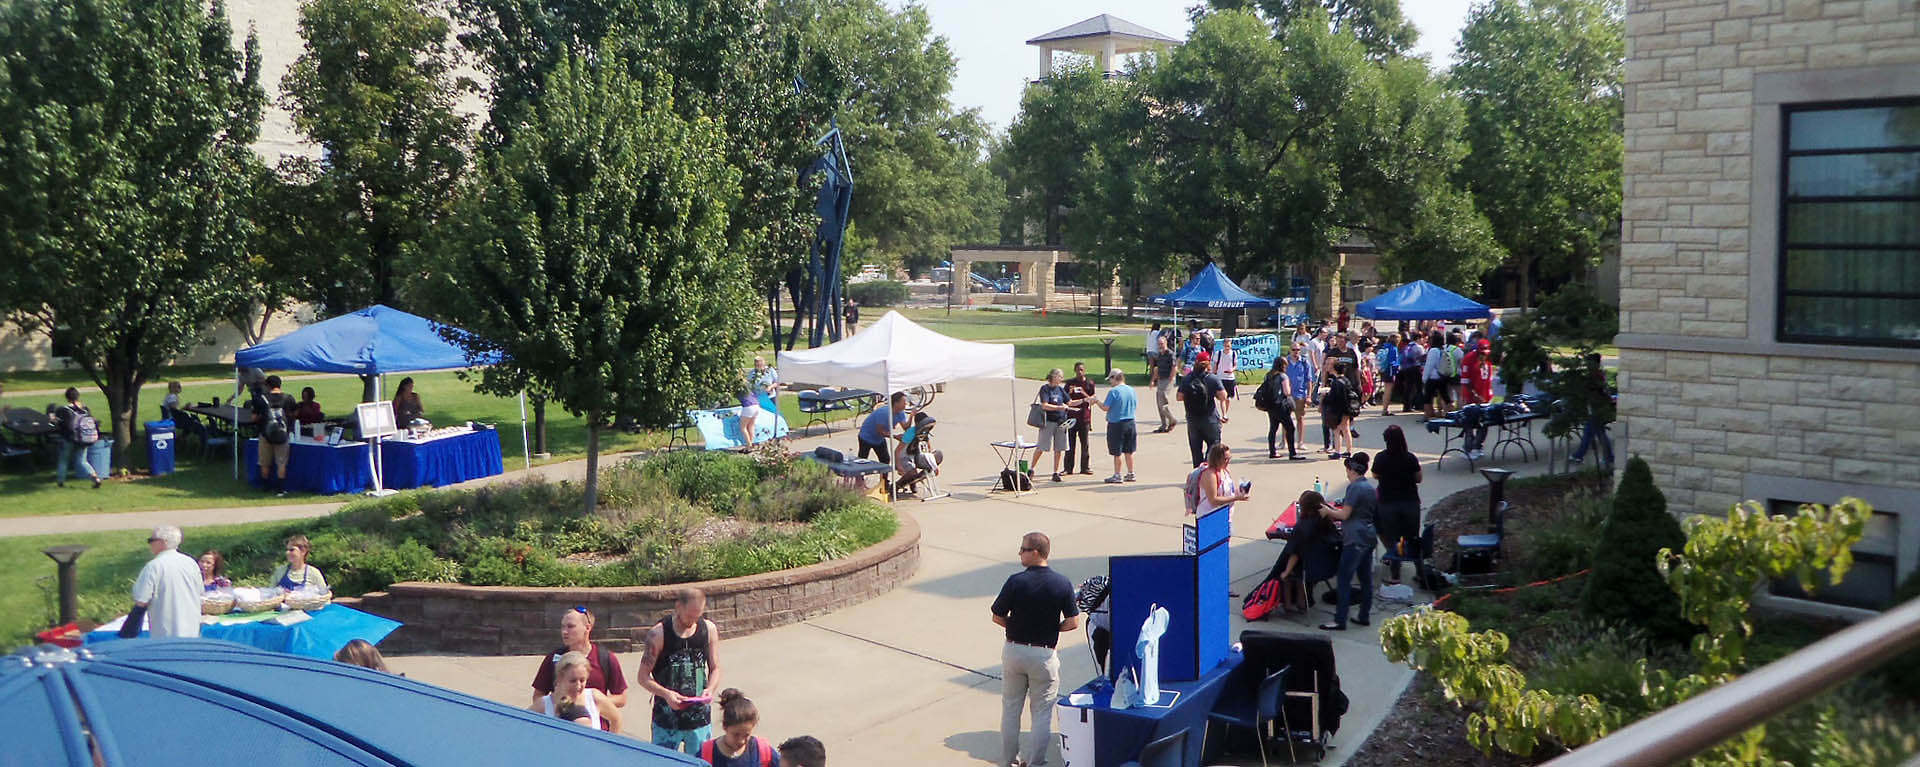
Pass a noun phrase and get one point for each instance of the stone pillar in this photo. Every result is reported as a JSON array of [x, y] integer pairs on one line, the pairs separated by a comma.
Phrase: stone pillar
[[1109, 59], [1043, 278], [962, 280], [1046, 62]]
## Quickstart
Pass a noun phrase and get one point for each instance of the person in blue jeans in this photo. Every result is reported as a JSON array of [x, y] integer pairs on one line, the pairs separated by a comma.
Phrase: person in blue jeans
[[77, 432], [1599, 414], [1357, 510]]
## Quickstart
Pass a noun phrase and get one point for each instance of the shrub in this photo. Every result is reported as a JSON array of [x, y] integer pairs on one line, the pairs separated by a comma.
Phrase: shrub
[[717, 480], [1608, 663], [1564, 542], [878, 293], [1626, 585], [806, 491]]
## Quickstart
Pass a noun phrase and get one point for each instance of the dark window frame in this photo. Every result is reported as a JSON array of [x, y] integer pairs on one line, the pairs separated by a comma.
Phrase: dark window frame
[[1782, 289]]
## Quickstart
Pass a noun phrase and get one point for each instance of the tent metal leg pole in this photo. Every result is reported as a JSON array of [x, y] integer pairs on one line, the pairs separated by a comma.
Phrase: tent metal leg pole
[[526, 449], [235, 436]]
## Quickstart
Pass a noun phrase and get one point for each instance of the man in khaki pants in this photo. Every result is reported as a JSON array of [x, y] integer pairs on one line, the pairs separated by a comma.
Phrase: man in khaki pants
[[1034, 606]]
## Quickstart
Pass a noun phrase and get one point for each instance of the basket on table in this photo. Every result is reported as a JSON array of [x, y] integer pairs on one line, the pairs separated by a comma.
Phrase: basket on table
[[252, 600], [217, 602], [307, 599]]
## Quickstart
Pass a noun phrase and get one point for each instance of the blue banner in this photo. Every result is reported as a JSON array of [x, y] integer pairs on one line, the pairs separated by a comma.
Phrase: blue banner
[[1256, 352]]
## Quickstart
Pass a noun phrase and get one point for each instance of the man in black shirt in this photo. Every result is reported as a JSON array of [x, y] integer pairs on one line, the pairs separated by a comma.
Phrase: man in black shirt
[[1034, 606], [1206, 403], [1160, 370], [273, 419]]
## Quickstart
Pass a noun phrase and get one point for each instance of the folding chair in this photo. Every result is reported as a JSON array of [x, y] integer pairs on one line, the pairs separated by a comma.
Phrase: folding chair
[[1165, 752], [1266, 706]]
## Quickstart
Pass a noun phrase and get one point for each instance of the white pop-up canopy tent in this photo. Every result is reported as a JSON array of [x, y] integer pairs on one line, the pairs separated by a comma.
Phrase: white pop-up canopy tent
[[896, 354]]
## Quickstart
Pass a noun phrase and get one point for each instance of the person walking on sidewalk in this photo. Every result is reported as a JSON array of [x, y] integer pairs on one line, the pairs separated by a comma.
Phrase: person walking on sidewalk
[[77, 432], [1080, 399], [1122, 436], [1034, 606], [1206, 405], [1160, 377], [1275, 396]]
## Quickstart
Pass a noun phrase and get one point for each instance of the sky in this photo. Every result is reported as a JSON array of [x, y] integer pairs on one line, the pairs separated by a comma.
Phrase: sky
[[988, 37]]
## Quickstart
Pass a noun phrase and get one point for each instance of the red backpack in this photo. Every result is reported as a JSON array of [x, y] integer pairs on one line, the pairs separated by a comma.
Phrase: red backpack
[[765, 749], [1261, 600]]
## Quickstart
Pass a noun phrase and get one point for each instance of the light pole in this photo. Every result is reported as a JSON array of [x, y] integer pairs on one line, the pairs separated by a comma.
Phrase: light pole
[[64, 557]]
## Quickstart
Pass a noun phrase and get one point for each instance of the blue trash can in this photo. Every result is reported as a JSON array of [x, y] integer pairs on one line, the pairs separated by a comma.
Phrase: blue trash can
[[100, 455], [160, 447]]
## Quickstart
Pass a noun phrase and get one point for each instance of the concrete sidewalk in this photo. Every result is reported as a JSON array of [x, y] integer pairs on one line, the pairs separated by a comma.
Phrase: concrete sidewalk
[[913, 676]]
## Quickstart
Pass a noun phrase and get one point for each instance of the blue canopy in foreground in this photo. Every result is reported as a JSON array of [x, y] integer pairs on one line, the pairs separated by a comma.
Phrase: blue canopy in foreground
[[372, 341], [1212, 289], [198, 701], [1422, 300]]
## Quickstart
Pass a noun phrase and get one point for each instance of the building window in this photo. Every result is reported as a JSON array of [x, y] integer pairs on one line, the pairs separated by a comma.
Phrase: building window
[[1875, 573], [1850, 224]]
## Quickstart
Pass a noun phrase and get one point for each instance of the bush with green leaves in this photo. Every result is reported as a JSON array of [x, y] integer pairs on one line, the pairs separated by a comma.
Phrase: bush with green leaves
[[711, 478], [1626, 586], [878, 293]]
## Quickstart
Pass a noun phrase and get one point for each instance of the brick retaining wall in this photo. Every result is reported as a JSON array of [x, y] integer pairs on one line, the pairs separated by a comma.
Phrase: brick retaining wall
[[513, 620]]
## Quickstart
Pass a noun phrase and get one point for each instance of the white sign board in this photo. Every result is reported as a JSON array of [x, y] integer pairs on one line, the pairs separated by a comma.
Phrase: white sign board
[[376, 418]]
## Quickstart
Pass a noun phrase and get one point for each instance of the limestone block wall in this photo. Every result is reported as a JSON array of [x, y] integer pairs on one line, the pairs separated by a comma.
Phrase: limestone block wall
[[1707, 394]]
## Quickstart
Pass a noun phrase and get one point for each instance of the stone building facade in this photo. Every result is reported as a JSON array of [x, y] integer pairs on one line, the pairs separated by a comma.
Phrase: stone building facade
[[1770, 277]]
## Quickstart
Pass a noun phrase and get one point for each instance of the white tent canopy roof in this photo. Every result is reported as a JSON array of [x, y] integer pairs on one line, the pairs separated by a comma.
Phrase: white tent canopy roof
[[895, 354]]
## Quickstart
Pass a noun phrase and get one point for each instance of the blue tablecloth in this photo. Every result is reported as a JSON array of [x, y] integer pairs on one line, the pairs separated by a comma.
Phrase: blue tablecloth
[[330, 629], [1119, 734], [440, 461], [317, 467]]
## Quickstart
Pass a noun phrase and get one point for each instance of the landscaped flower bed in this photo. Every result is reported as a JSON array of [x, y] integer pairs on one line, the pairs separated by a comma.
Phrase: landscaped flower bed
[[678, 517]]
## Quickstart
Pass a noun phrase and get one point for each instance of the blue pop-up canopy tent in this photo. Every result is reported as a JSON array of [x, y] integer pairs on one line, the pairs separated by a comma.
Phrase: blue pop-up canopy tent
[[187, 701], [373, 341], [1422, 300], [1213, 289]]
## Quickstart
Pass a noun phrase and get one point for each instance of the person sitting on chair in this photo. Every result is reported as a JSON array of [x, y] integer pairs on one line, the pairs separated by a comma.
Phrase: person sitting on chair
[[1306, 558]]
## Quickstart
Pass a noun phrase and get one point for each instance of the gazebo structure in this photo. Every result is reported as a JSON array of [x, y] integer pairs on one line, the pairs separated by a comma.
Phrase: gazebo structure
[[1103, 37]]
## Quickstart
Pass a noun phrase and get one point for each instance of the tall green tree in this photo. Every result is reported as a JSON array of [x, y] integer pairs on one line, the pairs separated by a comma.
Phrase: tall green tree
[[374, 88], [125, 176], [1542, 83], [1061, 120], [591, 253], [921, 181], [1255, 152], [1377, 24]]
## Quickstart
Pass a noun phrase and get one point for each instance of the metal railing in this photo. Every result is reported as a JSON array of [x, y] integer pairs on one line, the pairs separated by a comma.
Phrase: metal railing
[[1694, 725]]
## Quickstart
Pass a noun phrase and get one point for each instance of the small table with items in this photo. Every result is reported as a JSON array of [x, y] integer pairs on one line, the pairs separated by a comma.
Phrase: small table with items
[[441, 457], [1012, 452], [1093, 733]]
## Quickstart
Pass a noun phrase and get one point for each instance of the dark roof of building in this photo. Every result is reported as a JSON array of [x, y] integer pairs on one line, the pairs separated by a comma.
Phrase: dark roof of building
[[1101, 25]]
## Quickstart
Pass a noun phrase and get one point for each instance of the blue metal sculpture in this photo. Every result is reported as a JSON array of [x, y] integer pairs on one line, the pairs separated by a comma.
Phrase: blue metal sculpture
[[823, 265]]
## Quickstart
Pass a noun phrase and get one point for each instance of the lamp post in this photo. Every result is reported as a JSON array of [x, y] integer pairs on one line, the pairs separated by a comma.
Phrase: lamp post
[[1109, 344], [64, 557], [1497, 488]]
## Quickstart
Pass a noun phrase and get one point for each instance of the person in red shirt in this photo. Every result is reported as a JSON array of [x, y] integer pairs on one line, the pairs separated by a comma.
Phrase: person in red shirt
[[603, 668], [1476, 370]]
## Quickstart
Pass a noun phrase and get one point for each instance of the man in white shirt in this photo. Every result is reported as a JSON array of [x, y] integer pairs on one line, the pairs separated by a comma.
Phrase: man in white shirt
[[169, 587]]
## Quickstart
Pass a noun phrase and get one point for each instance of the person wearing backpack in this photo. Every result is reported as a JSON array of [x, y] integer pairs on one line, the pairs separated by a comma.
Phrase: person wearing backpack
[[78, 432], [603, 668], [736, 746], [1275, 396], [273, 417]]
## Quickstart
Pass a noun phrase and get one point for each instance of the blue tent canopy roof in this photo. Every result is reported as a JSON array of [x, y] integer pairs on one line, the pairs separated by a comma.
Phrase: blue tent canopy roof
[[1422, 300], [1212, 289], [164, 701], [372, 341]]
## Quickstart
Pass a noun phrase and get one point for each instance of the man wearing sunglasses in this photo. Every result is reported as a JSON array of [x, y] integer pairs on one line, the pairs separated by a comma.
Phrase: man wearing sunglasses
[[169, 588], [1034, 606]]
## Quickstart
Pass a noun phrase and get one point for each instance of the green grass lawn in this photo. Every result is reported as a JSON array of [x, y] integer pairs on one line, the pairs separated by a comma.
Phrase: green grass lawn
[[105, 574], [33, 380], [208, 482]]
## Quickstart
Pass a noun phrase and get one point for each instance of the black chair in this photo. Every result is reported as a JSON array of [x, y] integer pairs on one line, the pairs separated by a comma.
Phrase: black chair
[[1313, 693], [1265, 706], [1482, 554], [1417, 550], [1169, 751], [210, 438]]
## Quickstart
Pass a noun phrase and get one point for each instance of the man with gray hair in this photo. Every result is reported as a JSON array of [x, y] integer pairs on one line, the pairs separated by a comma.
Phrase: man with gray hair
[[169, 587]]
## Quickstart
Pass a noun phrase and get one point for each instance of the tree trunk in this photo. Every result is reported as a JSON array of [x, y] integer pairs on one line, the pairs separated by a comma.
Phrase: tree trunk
[[123, 407], [1526, 281], [539, 425], [593, 461]]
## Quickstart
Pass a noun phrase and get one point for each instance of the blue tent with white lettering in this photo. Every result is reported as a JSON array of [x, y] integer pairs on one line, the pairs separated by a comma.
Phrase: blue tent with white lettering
[[1213, 289], [373, 341], [1422, 300]]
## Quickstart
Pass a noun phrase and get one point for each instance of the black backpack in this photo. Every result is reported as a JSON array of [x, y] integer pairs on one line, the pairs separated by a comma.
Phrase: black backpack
[[1265, 397], [274, 431]]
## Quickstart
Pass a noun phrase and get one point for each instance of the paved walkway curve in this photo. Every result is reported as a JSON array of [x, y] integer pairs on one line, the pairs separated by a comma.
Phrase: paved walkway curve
[[912, 677]]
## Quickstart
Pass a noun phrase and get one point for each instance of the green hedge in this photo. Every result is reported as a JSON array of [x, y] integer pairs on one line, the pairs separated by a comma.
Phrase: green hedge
[[878, 293]]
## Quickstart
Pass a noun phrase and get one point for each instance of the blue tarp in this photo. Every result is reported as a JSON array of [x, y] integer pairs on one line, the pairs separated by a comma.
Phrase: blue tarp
[[372, 341], [1212, 289], [1422, 300], [186, 701], [327, 630]]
